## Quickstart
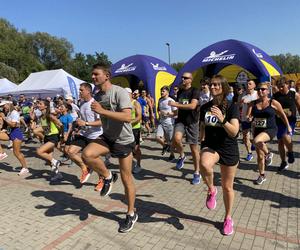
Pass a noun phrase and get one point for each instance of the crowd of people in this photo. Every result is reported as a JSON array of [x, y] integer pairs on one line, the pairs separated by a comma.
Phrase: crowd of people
[[112, 121]]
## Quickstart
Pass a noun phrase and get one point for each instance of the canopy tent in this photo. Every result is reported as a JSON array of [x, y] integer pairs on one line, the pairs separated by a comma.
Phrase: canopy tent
[[6, 86], [153, 72], [234, 59], [49, 83]]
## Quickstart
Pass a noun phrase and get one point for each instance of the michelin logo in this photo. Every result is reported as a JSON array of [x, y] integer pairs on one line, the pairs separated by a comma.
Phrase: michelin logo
[[157, 67], [126, 68], [258, 54], [215, 57]]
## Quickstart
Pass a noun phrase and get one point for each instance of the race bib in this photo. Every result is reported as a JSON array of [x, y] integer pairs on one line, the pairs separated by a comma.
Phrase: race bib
[[260, 122], [184, 101], [210, 119]]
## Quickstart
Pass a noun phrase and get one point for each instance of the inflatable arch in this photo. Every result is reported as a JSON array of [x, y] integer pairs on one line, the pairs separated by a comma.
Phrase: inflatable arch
[[151, 71], [232, 59]]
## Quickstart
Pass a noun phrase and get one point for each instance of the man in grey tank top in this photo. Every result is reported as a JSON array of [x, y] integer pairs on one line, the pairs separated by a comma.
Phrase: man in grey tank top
[[113, 105]]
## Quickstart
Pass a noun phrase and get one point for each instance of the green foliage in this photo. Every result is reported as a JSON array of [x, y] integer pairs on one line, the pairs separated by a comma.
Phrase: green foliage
[[177, 66], [8, 72], [81, 65], [288, 63], [22, 53]]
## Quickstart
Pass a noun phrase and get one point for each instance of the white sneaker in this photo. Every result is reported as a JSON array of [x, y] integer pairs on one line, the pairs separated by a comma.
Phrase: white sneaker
[[10, 144], [54, 168], [58, 176], [3, 156], [23, 171]]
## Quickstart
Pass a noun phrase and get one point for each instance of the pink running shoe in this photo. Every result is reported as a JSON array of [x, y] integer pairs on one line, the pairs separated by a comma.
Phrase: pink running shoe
[[228, 227], [211, 200], [3, 156], [23, 171]]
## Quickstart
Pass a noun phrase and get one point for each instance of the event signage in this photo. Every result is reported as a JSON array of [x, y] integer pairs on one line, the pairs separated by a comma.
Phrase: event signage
[[258, 54], [73, 87], [216, 57], [157, 67], [126, 68]]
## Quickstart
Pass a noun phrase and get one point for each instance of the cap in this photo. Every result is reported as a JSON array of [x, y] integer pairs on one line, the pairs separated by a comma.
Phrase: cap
[[2, 103], [128, 90], [136, 91], [68, 97]]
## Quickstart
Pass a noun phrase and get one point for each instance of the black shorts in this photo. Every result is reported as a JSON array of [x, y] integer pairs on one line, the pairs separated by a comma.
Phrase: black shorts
[[52, 138], [137, 135], [69, 139], [116, 150], [229, 154], [80, 141], [270, 131]]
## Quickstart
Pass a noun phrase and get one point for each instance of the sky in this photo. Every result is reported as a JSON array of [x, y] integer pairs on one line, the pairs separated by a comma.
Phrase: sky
[[125, 28]]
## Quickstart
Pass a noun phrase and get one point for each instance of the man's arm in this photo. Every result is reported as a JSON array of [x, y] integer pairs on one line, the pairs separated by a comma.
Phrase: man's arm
[[123, 116], [190, 106]]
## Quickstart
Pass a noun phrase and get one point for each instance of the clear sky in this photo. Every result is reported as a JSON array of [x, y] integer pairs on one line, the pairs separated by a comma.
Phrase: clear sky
[[125, 28]]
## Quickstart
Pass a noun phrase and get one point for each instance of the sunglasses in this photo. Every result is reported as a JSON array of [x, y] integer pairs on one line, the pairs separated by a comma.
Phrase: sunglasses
[[261, 89], [214, 85], [185, 78]]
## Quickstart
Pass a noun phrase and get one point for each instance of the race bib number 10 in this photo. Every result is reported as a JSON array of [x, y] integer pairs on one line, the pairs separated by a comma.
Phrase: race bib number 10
[[210, 119], [260, 122]]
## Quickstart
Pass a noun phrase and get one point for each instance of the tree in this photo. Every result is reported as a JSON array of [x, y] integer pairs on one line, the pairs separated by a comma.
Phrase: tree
[[177, 66], [288, 63], [52, 52], [8, 72], [81, 65]]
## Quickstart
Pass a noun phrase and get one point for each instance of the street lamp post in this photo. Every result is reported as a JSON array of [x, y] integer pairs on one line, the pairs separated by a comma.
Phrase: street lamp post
[[169, 54]]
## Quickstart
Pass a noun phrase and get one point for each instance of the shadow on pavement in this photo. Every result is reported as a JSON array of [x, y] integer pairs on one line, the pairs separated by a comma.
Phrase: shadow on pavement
[[148, 209], [65, 204], [68, 179], [282, 200]]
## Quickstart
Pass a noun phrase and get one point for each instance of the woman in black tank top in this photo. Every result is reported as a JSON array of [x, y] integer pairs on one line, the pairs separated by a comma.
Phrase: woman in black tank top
[[263, 112]]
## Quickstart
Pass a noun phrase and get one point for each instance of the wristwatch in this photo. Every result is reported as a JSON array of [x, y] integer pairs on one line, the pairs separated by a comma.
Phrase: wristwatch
[[224, 121], [86, 124]]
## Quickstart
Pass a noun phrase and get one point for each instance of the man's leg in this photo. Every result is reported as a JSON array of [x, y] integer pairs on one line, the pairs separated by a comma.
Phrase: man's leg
[[91, 157], [127, 179]]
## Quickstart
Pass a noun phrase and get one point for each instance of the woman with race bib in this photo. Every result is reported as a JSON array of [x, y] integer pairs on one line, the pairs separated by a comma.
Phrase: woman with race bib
[[219, 120], [263, 112]]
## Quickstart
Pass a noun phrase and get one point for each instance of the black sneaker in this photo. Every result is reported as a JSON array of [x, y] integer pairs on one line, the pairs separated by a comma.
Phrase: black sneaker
[[283, 166], [164, 150], [260, 179], [128, 223], [171, 157], [291, 157], [108, 184]]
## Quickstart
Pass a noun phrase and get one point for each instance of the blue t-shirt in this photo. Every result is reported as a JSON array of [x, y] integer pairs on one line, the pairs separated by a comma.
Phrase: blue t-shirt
[[66, 120], [143, 104]]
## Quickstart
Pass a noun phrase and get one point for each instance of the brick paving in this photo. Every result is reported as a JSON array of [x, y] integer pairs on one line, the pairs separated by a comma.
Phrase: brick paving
[[172, 212]]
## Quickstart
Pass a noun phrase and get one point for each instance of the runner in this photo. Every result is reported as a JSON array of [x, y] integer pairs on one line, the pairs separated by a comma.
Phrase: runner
[[13, 133], [165, 129], [187, 123], [136, 117], [220, 122], [290, 102], [52, 129], [263, 112], [251, 95], [113, 105], [66, 119], [90, 128]]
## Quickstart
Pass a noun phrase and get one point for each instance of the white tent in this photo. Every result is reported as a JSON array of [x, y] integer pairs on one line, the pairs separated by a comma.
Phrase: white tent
[[6, 86], [49, 83]]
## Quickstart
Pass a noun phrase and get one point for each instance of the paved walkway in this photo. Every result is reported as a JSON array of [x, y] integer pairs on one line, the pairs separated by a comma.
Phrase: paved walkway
[[172, 212]]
